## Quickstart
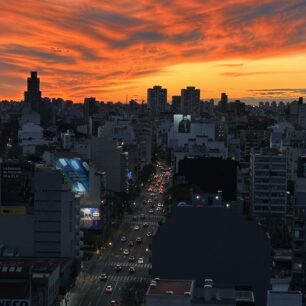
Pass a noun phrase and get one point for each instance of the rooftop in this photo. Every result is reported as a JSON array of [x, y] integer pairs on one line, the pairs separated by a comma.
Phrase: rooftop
[[173, 287]]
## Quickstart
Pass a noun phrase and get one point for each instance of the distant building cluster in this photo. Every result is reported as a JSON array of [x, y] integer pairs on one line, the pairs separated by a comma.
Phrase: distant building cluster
[[235, 209]]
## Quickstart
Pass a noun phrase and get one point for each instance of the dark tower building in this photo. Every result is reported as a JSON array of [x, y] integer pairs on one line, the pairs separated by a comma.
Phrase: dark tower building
[[190, 101], [32, 97], [176, 104], [157, 100], [90, 108], [223, 102]]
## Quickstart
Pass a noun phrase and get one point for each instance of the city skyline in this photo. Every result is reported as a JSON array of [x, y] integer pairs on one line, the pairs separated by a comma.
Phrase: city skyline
[[252, 51]]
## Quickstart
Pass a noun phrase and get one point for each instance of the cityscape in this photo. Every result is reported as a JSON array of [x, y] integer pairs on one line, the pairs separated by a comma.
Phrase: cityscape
[[153, 154]]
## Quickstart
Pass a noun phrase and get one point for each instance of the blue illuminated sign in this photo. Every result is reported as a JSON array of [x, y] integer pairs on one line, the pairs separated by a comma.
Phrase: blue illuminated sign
[[76, 171]]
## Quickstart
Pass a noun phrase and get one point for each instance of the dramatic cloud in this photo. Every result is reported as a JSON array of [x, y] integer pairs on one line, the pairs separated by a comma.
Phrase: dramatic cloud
[[93, 47]]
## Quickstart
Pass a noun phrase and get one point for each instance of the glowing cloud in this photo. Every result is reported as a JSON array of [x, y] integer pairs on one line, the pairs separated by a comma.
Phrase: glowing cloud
[[111, 48]]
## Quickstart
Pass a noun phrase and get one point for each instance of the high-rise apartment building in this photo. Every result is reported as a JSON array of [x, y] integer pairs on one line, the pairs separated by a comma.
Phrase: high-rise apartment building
[[90, 108], [176, 104], [190, 101], [223, 102], [157, 100], [268, 183], [32, 97]]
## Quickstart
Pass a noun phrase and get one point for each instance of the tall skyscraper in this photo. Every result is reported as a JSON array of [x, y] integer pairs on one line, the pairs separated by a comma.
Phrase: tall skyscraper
[[90, 108], [32, 97], [176, 104], [223, 102], [157, 100], [190, 101]]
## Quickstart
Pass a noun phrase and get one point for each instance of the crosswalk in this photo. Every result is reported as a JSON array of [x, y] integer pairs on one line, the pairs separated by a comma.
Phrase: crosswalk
[[127, 264], [116, 278], [127, 278]]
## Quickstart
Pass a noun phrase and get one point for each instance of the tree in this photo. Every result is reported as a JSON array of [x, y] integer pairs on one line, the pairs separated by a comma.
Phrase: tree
[[133, 293]]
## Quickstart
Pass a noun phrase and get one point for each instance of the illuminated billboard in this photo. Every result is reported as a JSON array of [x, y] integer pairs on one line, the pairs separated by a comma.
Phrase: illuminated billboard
[[182, 123], [75, 171], [91, 218]]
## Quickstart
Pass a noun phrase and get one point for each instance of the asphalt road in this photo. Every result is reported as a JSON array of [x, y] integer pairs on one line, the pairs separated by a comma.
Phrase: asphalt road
[[89, 290]]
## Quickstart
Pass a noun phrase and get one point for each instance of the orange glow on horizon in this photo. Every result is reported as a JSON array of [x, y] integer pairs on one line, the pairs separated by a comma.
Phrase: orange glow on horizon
[[111, 49]]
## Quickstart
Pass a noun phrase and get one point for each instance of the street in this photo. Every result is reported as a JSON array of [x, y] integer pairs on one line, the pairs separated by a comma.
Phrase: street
[[90, 290]]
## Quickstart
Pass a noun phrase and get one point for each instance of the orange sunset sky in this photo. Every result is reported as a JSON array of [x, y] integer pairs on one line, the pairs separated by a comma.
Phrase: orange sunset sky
[[110, 49]]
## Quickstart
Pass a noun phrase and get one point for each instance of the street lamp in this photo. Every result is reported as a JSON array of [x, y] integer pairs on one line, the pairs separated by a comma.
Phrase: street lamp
[[110, 244], [197, 197]]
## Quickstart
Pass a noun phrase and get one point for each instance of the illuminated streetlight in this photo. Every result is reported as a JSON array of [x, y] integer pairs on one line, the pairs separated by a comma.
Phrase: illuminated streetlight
[[110, 244], [197, 197], [227, 205]]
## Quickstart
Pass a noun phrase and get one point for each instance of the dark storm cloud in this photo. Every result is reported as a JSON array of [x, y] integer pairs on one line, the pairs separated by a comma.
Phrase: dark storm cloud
[[14, 49]]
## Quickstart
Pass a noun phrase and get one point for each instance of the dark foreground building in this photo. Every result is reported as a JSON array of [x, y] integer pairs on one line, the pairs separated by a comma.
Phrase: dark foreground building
[[213, 243], [211, 175]]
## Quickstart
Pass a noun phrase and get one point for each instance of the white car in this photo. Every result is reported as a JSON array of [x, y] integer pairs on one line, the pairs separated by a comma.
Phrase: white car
[[140, 260], [103, 277], [109, 289], [123, 239], [126, 252], [136, 228]]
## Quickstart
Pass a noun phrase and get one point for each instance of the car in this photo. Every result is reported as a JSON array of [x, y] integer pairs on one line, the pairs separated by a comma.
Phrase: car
[[113, 303], [142, 216], [132, 270], [149, 234], [118, 267], [109, 289], [140, 260], [131, 244], [158, 209], [123, 239], [103, 277], [138, 240], [159, 205], [151, 211], [136, 228], [146, 224], [135, 218], [132, 258], [126, 252]]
